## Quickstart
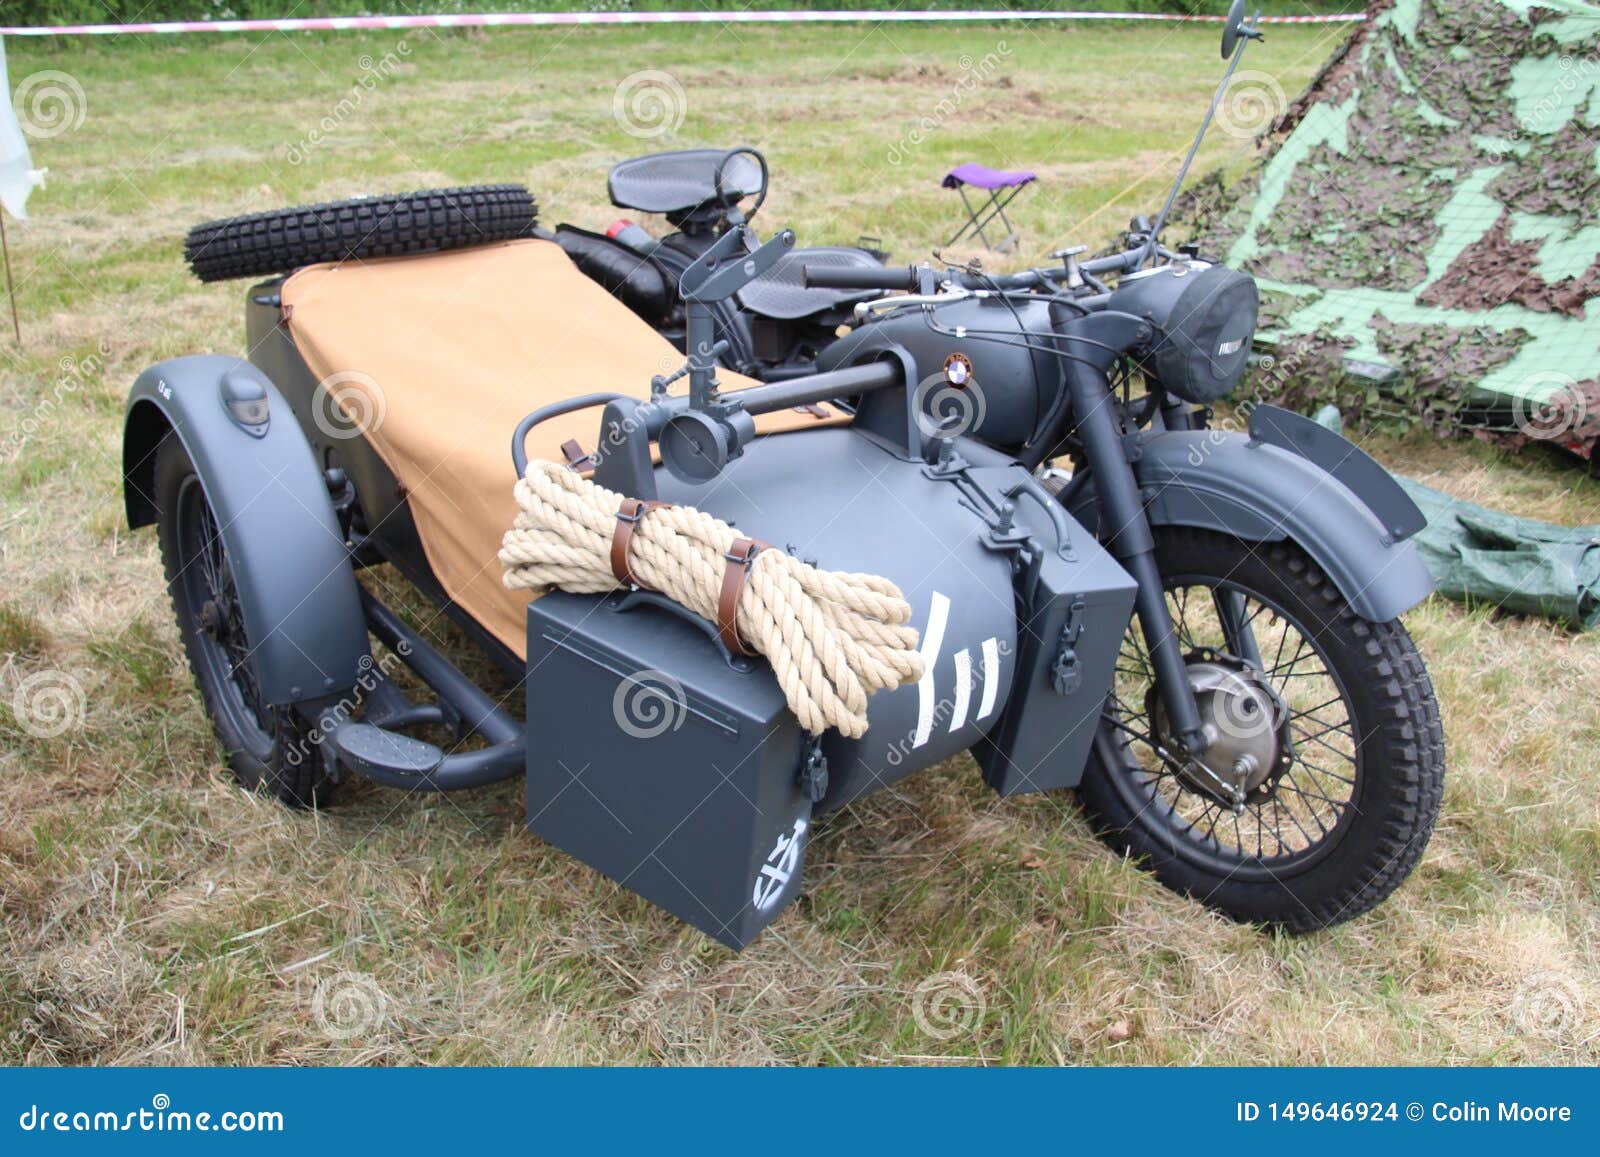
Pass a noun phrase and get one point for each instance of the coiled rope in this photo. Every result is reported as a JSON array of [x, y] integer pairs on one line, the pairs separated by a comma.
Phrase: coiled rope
[[832, 638]]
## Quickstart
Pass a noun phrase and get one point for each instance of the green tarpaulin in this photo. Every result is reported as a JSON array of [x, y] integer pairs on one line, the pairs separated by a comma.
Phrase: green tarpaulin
[[1516, 563]]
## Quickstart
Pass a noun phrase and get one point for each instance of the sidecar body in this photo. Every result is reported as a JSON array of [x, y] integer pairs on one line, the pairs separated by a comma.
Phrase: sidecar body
[[383, 396]]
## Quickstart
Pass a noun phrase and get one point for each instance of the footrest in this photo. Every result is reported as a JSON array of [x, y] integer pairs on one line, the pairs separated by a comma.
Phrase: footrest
[[374, 752]]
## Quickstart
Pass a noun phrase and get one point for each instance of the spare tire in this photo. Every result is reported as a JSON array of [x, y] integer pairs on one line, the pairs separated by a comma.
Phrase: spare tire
[[263, 244]]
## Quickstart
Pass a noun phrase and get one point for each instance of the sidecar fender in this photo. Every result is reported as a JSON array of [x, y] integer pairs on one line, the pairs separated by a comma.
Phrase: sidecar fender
[[301, 604], [1261, 491]]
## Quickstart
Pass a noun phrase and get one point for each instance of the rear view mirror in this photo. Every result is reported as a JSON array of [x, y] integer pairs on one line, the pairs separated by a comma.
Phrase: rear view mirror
[[1232, 24]]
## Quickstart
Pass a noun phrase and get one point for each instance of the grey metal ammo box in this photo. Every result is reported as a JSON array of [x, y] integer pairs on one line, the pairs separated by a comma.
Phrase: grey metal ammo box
[[661, 764]]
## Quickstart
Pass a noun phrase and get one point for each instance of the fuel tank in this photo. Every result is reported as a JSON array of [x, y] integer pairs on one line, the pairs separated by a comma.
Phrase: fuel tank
[[843, 501], [1013, 378]]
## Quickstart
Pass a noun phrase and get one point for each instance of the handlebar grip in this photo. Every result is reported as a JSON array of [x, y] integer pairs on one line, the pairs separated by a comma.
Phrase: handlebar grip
[[856, 277]]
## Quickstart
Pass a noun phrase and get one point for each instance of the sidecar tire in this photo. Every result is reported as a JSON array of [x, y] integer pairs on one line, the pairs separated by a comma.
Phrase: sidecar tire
[[264, 244], [273, 750], [1392, 704]]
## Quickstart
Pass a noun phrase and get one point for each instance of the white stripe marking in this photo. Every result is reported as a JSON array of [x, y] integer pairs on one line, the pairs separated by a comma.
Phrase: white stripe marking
[[932, 640], [991, 677], [958, 718]]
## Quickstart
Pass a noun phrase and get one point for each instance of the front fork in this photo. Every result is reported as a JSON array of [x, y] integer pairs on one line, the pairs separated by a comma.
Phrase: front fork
[[1130, 539], [1236, 630]]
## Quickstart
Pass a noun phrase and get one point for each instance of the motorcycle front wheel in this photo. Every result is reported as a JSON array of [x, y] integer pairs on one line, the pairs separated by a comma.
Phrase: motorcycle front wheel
[[1323, 785]]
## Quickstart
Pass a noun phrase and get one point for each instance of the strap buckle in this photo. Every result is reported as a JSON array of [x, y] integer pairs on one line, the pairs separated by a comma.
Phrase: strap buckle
[[629, 514], [740, 555], [578, 459]]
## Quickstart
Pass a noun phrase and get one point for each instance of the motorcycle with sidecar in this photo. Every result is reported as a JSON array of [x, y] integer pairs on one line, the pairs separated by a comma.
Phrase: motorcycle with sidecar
[[1197, 629]]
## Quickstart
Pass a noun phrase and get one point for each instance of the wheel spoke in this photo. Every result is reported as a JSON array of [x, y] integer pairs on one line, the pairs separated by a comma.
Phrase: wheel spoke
[[1287, 782], [1317, 739], [1279, 808], [1294, 661]]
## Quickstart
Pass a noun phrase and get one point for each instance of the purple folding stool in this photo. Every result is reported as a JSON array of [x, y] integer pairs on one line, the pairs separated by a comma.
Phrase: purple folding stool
[[1002, 188]]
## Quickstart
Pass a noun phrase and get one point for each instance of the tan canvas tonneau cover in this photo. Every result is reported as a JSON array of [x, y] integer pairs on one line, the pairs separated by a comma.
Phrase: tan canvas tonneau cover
[[439, 356]]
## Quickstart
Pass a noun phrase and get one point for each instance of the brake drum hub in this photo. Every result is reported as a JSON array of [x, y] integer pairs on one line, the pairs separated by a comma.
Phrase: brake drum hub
[[1246, 724]]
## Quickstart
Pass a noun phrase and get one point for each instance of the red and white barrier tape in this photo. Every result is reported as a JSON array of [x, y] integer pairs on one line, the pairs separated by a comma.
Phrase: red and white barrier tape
[[553, 19]]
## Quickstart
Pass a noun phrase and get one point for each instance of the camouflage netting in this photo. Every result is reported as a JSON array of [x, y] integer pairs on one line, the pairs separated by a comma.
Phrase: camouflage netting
[[1424, 220]]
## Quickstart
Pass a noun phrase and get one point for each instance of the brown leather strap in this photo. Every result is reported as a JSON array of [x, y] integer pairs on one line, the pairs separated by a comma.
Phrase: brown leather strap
[[628, 516], [578, 459], [740, 556]]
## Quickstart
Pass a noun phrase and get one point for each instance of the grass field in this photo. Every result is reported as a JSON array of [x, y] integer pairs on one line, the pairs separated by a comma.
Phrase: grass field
[[154, 913]]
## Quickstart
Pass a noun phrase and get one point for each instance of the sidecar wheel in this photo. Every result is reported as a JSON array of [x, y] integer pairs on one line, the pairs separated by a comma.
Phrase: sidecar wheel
[[268, 748], [1355, 790]]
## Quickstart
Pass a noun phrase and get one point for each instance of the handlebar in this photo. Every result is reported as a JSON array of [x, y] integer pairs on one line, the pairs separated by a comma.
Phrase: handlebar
[[857, 277], [909, 278]]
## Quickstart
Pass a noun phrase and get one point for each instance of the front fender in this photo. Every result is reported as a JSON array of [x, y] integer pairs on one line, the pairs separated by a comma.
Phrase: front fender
[[297, 589], [1261, 492]]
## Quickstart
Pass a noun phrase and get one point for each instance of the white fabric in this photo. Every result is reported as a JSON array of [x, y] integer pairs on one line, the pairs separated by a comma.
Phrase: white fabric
[[18, 177]]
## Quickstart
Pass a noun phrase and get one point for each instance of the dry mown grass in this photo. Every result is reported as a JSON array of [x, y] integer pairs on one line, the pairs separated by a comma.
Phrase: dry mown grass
[[155, 913]]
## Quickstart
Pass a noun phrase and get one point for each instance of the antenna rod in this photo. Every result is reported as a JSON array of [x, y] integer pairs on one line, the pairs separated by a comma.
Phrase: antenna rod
[[11, 289], [1216, 99]]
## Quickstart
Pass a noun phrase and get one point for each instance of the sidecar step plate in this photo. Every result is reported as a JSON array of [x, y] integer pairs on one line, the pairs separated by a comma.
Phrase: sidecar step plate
[[374, 752]]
